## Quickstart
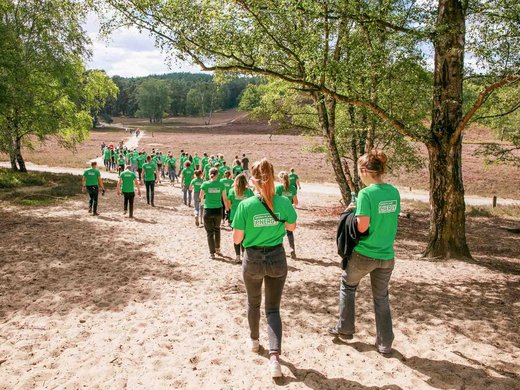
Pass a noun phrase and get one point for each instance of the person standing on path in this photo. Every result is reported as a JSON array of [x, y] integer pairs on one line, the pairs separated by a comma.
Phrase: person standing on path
[[294, 179], [141, 159], [259, 225], [228, 183], [236, 195], [172, 174], [212, 193], [377, 210], [245, 165], [106, 158], [126, 186], [91, 181], [195, 185], [290, 192], [186, 178], [151, 176]]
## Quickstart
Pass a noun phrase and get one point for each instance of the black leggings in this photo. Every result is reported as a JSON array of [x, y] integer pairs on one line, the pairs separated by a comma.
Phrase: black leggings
[[93, 192], [212, 219]]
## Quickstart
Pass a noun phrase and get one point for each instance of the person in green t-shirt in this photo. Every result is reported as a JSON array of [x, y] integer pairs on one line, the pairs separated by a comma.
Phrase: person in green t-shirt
[[141, 159], [237, 168], [106, 158], [150, 179], [377, 210], [212, 193], [120, 163], [195, 186], [133, 161], [223, 169], [126, 186], [186, 177], [260, 224], [91, 181], [207, 167], [228, 183], [238, 192], [172, 174], [289, 191], [196, 161], [294, 179], [204, 160]]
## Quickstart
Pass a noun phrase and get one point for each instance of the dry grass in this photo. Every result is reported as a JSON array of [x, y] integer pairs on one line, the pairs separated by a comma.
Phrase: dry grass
[[258, 139]]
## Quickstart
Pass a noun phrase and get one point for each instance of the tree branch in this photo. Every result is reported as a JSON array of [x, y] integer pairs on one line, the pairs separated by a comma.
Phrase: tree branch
[[515, 107], [479, 102]]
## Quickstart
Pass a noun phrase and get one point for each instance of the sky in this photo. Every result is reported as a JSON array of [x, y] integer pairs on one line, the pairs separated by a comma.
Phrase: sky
[[128, 53]]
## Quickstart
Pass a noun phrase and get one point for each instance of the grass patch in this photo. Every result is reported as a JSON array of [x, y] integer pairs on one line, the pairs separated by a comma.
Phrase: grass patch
[[39, 188], [316, 148], [489, 211]]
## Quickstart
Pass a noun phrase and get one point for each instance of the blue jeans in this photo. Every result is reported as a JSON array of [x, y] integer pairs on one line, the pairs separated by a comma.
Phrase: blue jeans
[[267, 264], [380, 272], [186, 195], [196, 201]]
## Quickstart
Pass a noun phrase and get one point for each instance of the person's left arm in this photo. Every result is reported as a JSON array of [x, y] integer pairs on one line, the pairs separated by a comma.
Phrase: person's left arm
[[83, 187], [100, 182], [136, 183], [238, 236], [225, 198]]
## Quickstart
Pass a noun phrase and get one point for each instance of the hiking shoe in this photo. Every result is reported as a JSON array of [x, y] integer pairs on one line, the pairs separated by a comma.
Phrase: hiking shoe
[[95, 214], [253, 345], [196, 221], [212, 255], [293, 255], [90, 210], [275, 368], [218, 252], [335, 332], [238, 259], [385, 351], [124, 212]]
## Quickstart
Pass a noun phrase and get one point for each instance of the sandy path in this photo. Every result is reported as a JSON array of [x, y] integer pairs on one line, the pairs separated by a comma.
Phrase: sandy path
[[131, 143], [112, 303]]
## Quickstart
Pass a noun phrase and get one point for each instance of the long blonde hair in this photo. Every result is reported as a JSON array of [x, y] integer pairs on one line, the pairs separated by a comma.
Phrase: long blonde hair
[[285, 180], [263, 174], [240, 185]]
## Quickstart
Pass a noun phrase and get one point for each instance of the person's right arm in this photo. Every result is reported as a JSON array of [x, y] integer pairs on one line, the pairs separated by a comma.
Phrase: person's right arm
[[83, 188], [363, 212], [119, 186]]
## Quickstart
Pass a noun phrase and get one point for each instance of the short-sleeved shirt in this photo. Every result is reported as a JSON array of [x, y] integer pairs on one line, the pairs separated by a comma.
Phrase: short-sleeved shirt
[[196, 160], [289, 193], [106, 154], [204, 161], [171, 162], [121, 161], [149, 171], [245, 163], [187, 176], [127, 178], [260, 229], [228, 183], [237, 170], [140, 161], [237, 199], [293, 177], [213, 194], [207, 167], [382, 203], [223, 169], [91, 177], [197, 183]]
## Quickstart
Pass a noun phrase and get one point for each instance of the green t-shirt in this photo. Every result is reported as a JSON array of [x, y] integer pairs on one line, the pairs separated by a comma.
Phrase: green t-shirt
[[171, 162], [236, 200], [224, 169], [187, 176], [91, 177], [213, 194], [207, 167], [133, 159], [197, 183], [106, 154], [260, 229], [204, 161], [228, 183], [237, 170], [289, 194], [121, 161], [292, 179], [149, 171], [127, 178], [140, 161], [196, 160], [382, 203]]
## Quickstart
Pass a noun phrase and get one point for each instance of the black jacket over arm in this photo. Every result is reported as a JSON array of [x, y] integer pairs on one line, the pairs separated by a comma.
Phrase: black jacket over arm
[[347, 236]]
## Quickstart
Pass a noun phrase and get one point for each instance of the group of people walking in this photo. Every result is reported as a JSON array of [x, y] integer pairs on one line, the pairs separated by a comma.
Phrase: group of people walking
[[261, 213]]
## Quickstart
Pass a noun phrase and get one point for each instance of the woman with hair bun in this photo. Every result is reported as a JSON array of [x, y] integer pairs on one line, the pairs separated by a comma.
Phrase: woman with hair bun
[[260, 223], [377, 210]]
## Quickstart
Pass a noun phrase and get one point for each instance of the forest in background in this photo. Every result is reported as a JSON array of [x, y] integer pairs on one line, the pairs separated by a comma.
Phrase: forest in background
[[174, 94]]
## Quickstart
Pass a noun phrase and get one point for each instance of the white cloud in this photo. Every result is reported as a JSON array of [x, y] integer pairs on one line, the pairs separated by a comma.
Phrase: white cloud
[[129, 53]]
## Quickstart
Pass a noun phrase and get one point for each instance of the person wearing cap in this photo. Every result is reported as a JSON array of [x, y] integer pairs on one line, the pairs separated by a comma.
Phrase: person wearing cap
[[126, 186], [91, 181]]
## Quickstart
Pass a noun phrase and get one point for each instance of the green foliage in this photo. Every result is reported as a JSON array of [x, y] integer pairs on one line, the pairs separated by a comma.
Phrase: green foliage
[[45, 88], [153, 98], [13, 179]]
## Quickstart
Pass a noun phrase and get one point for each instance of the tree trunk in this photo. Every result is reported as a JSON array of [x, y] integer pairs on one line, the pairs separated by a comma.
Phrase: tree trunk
[[18, 154], [12, 158], [326, 107], [447, 238]]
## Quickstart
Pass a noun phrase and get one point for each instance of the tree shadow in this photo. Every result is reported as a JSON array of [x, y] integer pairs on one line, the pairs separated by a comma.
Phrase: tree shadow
[[317, 262], [147, 221], [330, 225], [54, 265]]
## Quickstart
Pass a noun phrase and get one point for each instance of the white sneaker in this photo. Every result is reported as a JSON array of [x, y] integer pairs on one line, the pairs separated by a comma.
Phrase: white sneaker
[[253, 345], [275, 368]]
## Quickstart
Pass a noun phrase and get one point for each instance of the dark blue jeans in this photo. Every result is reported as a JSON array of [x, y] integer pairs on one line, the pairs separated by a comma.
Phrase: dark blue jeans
[[269, 265]]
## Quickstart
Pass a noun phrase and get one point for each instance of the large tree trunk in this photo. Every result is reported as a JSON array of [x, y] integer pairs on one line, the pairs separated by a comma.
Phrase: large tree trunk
[[326, 107], [18, 154], [447, 237], [12, 158]]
